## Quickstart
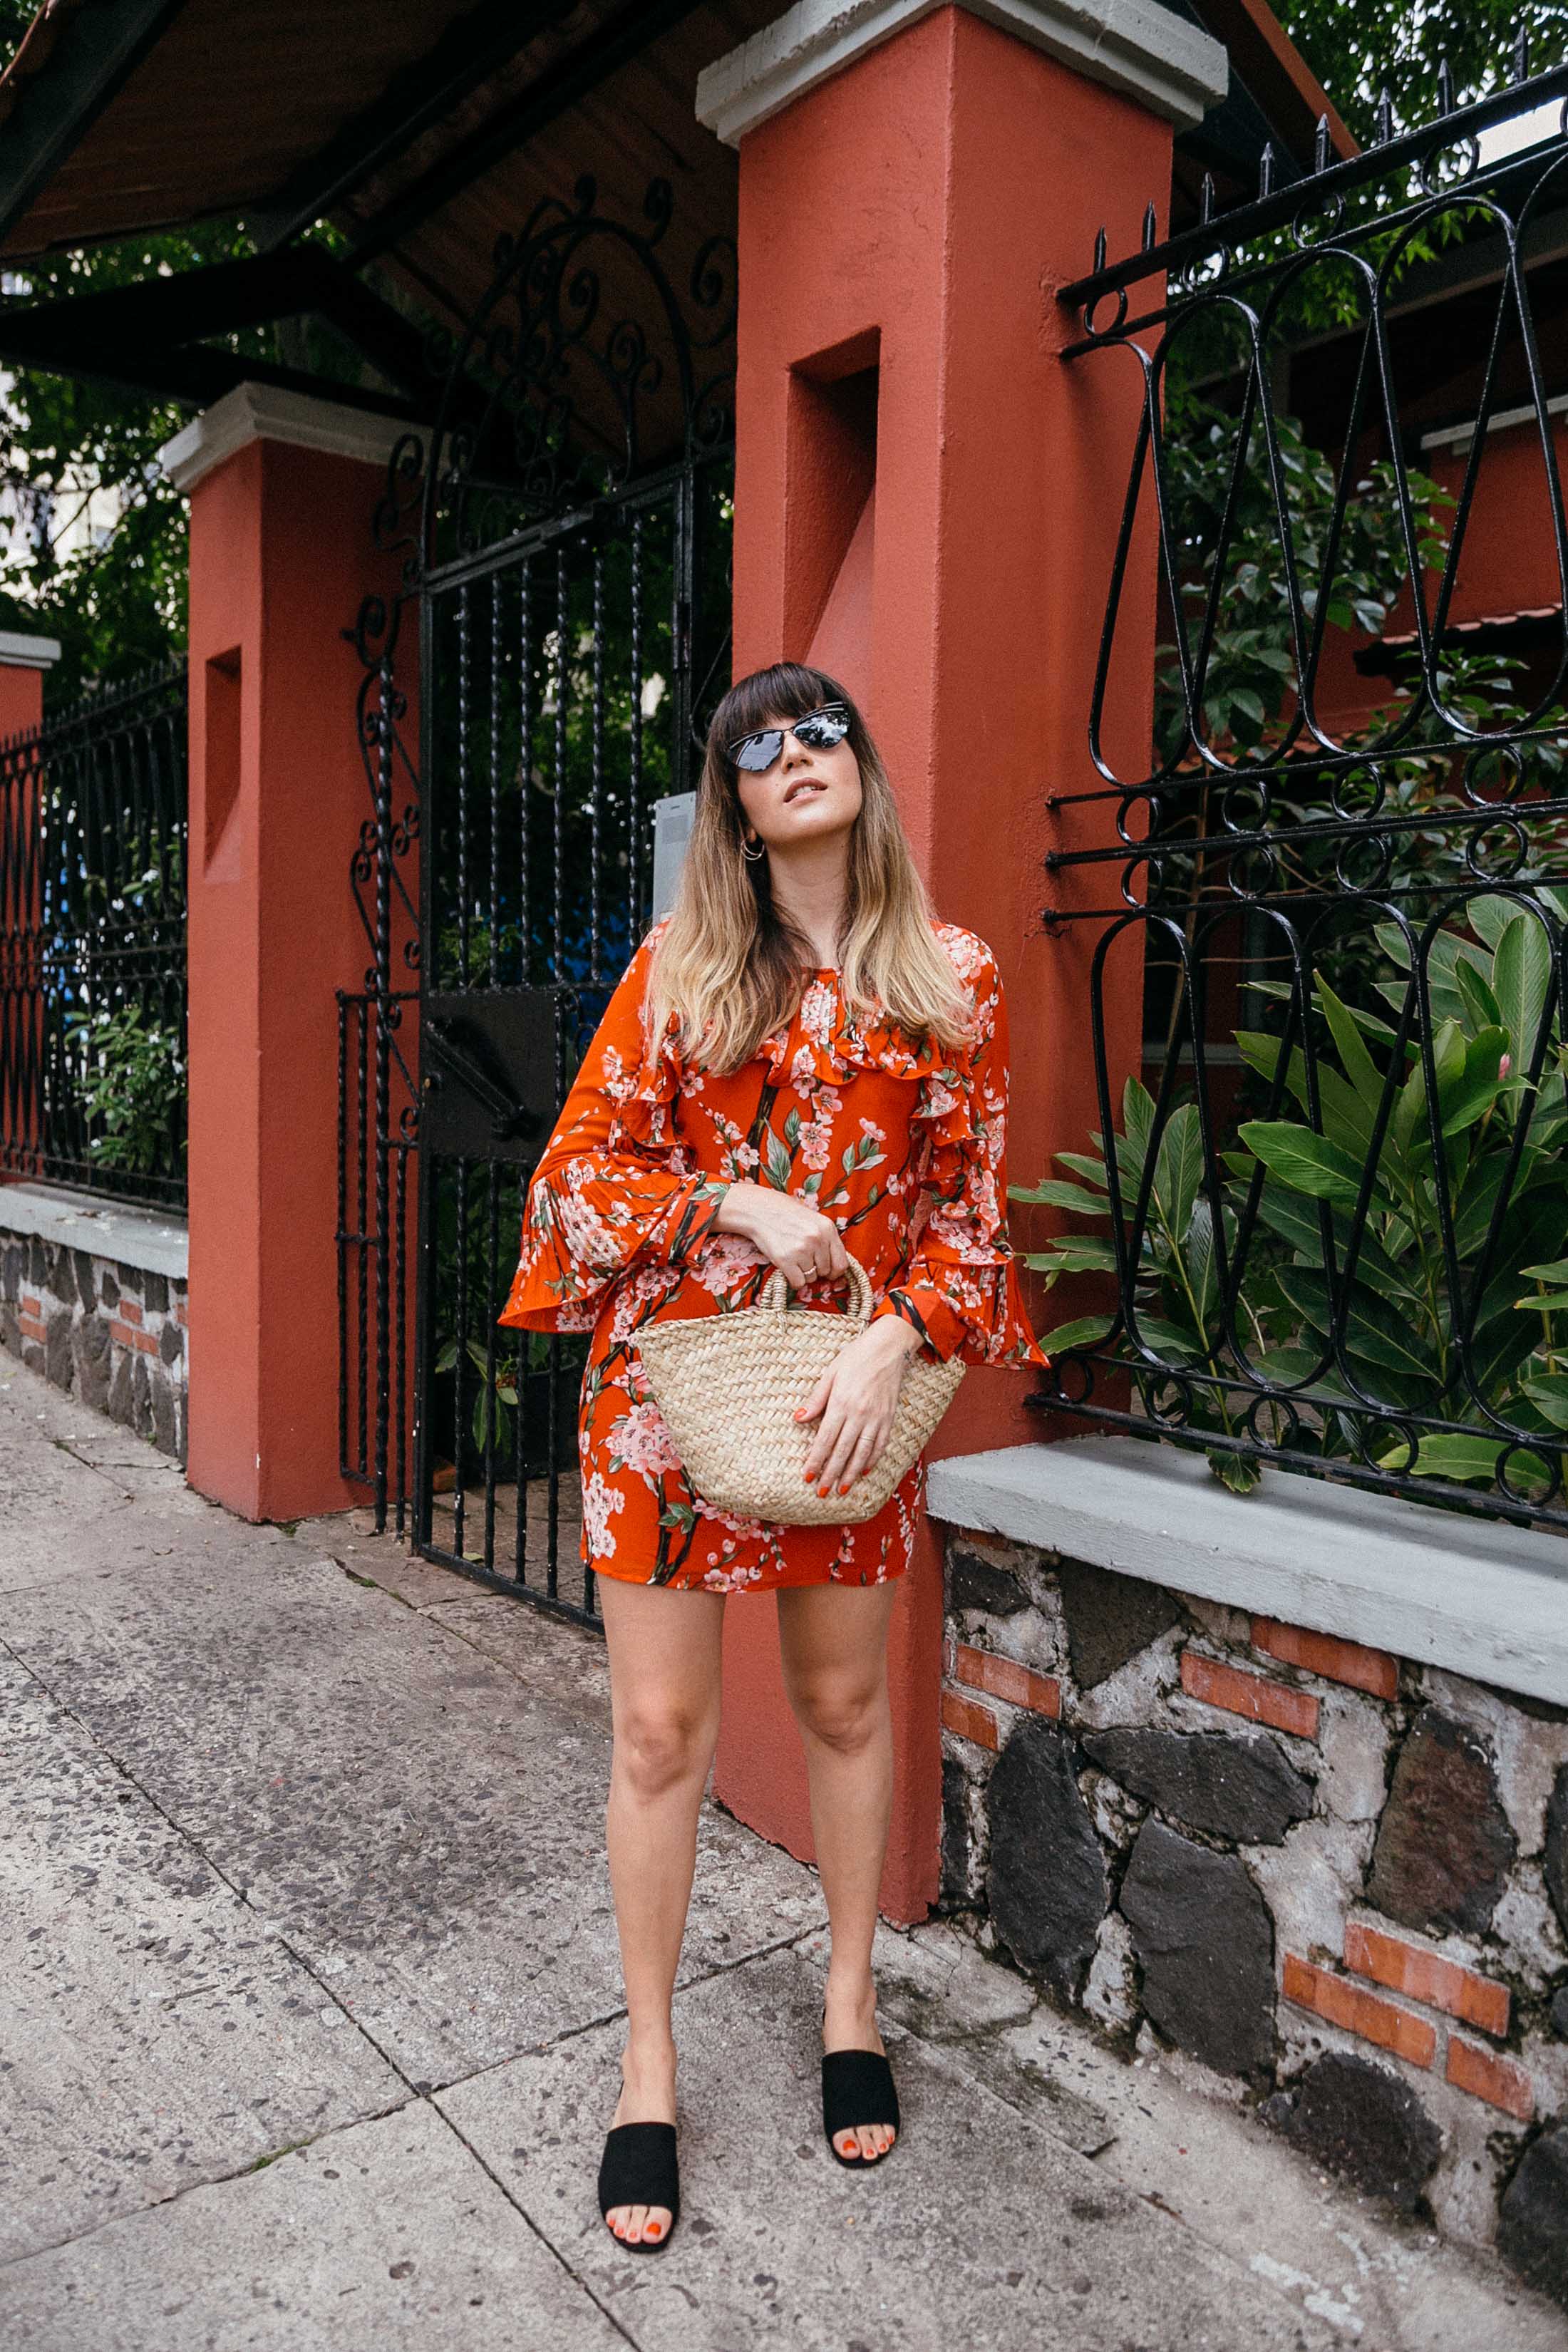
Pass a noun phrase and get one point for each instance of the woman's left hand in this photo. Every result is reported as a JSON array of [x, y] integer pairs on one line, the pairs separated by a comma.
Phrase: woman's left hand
[[855, 1399]]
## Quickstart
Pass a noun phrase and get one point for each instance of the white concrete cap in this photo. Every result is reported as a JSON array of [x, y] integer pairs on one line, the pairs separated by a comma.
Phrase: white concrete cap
[[265, 412], [1131, 45], [1476, 1596], [18, 652], [156, 1240]]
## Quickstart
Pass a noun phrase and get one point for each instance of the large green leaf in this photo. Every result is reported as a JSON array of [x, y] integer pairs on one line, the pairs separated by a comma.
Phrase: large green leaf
[[1549, 1392], [1481, 1006], [1168, 1338], [1468, 1460], [1521, 974], [1137, 1121], [1179, 1169], [1305, 1161], [1471, 1091], [1078, 1253], [1374, 1332], [1360, 1069], [1198, 1252], [1488, 918], [1091, 1169], [1086, 1332], [1058, 1195]]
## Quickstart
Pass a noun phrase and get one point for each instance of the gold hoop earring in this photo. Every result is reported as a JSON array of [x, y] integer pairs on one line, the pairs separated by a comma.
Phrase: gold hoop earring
[[751, 854]]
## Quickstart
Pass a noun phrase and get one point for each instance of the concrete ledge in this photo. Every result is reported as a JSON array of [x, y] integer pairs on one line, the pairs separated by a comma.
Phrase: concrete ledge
[[152, 1240], [19, 651], [1131, 45], [1475, 1596], [265, 412]]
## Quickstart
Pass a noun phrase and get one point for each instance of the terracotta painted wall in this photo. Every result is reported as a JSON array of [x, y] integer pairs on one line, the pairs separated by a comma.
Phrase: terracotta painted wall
[[917, 211]]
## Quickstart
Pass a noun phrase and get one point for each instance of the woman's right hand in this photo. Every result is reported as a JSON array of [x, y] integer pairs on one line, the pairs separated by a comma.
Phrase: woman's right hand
[[798, 1239]]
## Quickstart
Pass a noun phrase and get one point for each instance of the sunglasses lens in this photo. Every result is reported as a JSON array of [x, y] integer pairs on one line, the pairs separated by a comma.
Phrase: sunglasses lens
[[759, 751], [823, 730]]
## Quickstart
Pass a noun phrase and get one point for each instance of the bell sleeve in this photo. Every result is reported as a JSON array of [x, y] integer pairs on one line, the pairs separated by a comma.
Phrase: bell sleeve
[[614, 1189], [958, 1285]]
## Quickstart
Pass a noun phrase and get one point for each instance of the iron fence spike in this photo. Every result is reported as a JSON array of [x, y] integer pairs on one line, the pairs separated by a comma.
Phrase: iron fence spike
[[1522, 53], [1266, 170], [1205, 199], [1149, 231], [1320, 147]]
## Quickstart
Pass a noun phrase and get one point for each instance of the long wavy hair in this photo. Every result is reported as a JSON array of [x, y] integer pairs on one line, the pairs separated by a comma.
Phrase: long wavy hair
[[732, 966]]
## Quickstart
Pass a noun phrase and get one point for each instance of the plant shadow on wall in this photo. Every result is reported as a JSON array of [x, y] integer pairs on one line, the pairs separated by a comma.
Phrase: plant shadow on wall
[[1337, 1234]]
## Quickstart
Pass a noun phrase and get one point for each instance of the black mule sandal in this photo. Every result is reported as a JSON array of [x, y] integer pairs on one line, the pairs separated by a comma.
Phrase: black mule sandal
[[639, 2167], [857, 2088]]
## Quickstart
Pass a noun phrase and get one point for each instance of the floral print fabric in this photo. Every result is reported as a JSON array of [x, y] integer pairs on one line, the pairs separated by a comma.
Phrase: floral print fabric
[[902, 1147]]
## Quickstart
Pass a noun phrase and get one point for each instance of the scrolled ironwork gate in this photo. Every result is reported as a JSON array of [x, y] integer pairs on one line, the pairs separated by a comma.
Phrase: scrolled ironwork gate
[[93, 824], [568, 563], [1332, 1232]]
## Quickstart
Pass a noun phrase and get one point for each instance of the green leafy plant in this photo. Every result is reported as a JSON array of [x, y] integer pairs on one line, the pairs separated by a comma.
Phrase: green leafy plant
[[1177, 1307], [1347, 1298], [132, 1065]]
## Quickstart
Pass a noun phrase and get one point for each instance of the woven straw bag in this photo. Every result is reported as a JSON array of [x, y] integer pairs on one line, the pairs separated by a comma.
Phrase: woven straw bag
[[728, 1386]]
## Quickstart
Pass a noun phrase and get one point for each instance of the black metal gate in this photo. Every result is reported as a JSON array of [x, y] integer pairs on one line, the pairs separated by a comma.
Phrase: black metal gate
[[568, 563], [1330, 1232]]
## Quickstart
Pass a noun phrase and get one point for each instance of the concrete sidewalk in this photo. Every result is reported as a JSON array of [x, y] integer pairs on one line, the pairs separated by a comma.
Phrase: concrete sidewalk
[[309, 2012]]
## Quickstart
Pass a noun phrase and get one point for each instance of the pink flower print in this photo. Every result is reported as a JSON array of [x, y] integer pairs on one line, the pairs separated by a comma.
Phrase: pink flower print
[[601, 1501], [589, 1242], [642, 1440], [817, 1013], [816, 1141], [724, 1262]]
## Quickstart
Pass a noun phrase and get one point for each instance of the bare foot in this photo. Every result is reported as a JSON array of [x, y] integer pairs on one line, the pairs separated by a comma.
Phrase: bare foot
[[647, 2096], [849, 2022]]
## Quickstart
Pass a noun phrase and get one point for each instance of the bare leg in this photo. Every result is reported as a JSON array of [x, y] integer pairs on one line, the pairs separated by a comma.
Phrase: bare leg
[[665, 1654], [833, 1641]]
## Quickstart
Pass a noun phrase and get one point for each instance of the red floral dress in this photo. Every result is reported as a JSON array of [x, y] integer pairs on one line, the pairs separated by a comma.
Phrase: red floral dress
[[903, 1148]]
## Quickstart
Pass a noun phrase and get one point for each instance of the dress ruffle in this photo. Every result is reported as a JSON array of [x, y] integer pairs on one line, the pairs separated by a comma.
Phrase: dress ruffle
[[827, 1052]]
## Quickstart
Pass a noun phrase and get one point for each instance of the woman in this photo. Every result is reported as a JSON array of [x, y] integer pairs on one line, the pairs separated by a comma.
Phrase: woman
[[800, 1060]]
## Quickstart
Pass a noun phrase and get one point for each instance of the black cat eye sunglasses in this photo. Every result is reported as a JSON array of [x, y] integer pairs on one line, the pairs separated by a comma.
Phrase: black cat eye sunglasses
[[819, 731]]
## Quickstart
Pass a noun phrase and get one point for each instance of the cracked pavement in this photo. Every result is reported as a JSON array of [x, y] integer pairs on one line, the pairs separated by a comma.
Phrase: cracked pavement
[[310, 2011]]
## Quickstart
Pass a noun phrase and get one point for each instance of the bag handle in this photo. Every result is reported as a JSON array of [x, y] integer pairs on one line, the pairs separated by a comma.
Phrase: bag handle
[[776, 1291]]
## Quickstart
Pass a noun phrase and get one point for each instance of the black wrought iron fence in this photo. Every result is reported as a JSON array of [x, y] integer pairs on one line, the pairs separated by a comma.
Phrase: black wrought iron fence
[[92, 945], [1326, 1223]]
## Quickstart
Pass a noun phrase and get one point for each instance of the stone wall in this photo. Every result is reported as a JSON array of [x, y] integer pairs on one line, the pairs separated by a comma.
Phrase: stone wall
[[1336, 1881], [111, 1334]]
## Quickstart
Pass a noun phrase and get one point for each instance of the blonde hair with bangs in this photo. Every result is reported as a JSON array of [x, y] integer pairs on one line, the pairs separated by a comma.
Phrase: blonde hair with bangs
[[731, 968]]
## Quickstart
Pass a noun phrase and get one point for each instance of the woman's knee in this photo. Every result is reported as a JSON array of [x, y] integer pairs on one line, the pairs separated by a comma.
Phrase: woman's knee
[[843, 1713], [658, 1748]]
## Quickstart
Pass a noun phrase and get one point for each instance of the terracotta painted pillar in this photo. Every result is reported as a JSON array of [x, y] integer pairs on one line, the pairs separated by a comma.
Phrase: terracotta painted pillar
[[926, 502], [25, 661], [283, 489]]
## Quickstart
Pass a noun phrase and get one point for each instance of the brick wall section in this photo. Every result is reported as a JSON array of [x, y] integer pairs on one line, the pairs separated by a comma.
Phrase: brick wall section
[[1338, 1662], [968, 1720], [1487, 2076], [1426, 1977], [1005, 1678], [1340, 2003], [1352, 1854], [1252, 1696], [110, 1334]]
